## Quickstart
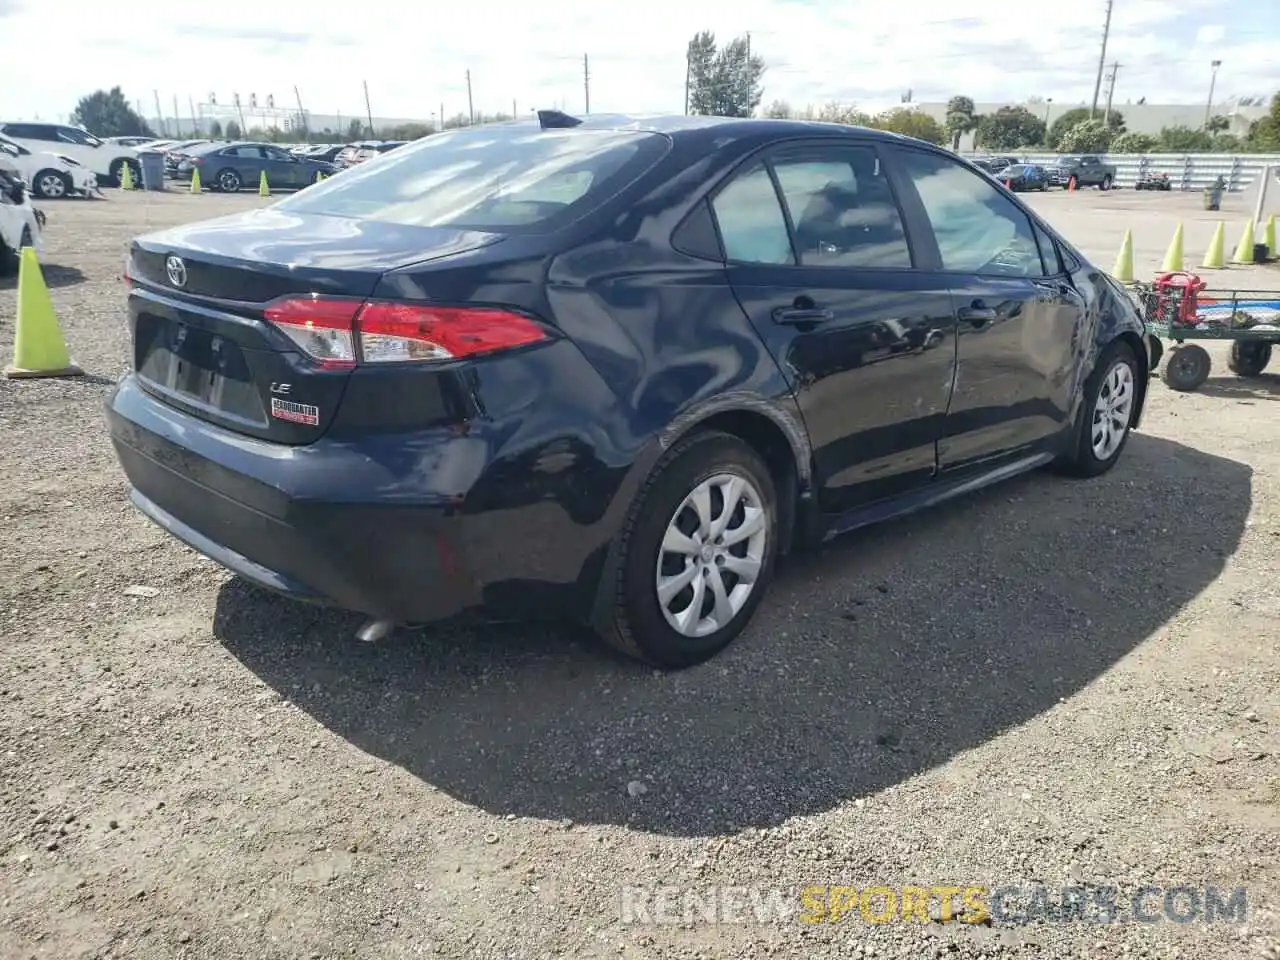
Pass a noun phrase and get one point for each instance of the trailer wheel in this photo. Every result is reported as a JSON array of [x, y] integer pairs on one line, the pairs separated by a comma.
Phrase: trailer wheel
[[1248, 359], [1156, 351], [1188, 367]]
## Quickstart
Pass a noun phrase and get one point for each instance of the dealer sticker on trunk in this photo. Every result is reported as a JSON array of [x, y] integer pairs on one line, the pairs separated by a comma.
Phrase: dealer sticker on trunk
[[295, 412]]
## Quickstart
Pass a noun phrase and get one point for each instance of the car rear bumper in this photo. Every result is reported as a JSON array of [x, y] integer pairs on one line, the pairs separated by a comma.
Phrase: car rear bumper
[[407, 528], [315, 523]]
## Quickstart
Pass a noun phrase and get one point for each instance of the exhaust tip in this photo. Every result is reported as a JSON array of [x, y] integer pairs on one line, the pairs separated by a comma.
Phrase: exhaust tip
[[375, 630]]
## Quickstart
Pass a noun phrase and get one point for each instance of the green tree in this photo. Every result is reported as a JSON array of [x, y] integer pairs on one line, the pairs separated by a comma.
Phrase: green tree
[[1182, 139], [452, 123], [1133, 143], [215, 131], [106, 113], [910, 123], [1061, 124], [355, 130], [779, 110], [1218, 124], [409, 131], [1087, 136], [1228, 143], [723, 82], [961, 119], [1264, 134], [1009, 128], [846, 113], [233, 131]]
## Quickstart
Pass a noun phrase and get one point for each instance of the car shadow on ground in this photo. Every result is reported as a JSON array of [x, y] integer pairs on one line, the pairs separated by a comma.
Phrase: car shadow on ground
[[1263, 387], [881, 656], [55, 276]]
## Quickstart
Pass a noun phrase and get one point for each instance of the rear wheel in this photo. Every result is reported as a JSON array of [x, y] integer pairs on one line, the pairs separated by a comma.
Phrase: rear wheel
[[1106, 183], [697, 552], [52, 185], [229, 181], [1249, 359], [1188, 367]]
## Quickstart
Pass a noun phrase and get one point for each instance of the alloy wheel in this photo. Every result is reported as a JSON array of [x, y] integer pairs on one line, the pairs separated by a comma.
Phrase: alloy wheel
[[712, 555], [1112, 411]]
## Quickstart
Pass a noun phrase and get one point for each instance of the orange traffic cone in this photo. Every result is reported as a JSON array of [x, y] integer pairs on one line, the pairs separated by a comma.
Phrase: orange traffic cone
[[1071, 184]]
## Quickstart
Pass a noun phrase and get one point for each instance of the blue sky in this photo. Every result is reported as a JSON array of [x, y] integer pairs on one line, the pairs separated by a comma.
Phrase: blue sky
[[415, 56]]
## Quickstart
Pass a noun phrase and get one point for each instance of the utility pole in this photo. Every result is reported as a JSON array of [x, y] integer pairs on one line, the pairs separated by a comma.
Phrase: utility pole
[[514, 114], [586, 82], [471, 109], [442, 115], [1213, 82], [177, 117], [368, 110], [1102, 59], [164, 127], [302, 115], [1111, 90], [195, 125]]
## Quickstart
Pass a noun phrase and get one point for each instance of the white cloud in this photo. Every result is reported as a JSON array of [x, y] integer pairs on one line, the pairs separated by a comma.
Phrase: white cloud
[[415, 57]]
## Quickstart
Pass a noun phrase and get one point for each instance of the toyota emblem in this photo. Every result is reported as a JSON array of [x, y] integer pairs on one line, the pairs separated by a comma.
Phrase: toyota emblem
[[177, 271]]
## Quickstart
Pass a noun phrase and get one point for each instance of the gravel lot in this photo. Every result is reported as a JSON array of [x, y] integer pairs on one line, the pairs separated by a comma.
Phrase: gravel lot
[[1052, 682]]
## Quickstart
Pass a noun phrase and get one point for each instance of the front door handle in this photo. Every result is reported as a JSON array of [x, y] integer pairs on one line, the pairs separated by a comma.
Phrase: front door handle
[[802, 315]]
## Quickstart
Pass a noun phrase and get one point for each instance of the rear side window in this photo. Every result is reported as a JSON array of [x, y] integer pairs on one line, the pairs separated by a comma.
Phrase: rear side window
[[503, 179], [978, 228], [843, 210], [1048, 252]]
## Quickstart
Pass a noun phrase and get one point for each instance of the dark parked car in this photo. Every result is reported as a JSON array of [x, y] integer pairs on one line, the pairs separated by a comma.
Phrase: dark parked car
[[609, 370], [994, 164], [327, 153], [1059, 176], [230, 166], [175, 153], [1024, 176], [1154, 181]]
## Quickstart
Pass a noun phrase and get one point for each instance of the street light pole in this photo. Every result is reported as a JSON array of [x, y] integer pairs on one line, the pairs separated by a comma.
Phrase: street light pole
[[1048, 105], [1213, 82]]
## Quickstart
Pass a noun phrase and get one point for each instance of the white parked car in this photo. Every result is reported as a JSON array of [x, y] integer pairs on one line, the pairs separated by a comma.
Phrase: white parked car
[[105, 159], [134, 142], [21, 224], [49, 175]]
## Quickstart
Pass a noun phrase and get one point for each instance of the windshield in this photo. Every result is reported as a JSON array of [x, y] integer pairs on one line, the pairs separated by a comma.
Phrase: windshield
[[1015, 169], [504, 178]]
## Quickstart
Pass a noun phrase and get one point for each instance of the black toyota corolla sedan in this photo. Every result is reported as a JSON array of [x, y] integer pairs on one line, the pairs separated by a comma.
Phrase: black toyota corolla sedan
[[607, 369]]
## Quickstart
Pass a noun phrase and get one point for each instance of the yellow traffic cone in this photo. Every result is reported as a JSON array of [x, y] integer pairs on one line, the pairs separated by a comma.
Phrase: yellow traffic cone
[[1269, 236], [195, 180], [1173, 256], [1244, 249], [39, 349], [126, 177], [263, 189], [1123, 270], [319, 176], [1213, 256]]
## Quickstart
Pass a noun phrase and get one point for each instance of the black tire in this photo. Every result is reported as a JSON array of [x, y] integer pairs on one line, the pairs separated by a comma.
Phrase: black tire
[[1187, 368], [228, 181], [1083, 460], [639, 627], [1249, 358], [1157, 351], [52, 185], [1106, 183], [8, 260]]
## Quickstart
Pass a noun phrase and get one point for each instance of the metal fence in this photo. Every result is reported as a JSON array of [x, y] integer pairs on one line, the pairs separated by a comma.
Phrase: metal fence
[[1187, 171]]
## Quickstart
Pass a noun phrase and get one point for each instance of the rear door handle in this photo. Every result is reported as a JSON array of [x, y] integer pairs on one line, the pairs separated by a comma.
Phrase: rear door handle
[[802, 315], [978, 316]]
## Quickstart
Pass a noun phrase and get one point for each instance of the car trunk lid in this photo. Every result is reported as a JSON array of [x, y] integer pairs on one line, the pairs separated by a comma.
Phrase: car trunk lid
[[201, 299]]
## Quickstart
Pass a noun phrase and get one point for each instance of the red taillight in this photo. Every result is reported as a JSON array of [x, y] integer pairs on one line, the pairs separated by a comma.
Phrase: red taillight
[[392, 332], [322, 328], [329, 330]]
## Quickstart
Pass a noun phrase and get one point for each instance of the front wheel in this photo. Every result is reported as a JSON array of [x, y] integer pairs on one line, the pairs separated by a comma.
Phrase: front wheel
[[1188, 367], [697, 552], [52, 185], [1110, 402], [1105, 184], [1249, 359]]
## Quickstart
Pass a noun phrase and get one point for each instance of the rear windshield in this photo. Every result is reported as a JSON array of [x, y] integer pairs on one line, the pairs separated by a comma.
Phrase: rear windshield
[[505, 179]]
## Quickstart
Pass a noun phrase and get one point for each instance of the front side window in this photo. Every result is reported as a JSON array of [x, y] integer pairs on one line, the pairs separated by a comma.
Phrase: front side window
[[843, 210], [500, 179], [978, 228], [752, 226], [78, 137]]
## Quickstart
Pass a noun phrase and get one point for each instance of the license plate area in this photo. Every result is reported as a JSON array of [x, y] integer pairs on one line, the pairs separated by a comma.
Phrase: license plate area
[[199, 368]]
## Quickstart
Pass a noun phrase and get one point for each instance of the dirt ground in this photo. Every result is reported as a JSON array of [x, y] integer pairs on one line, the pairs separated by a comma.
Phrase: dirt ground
[[1052, 682]]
